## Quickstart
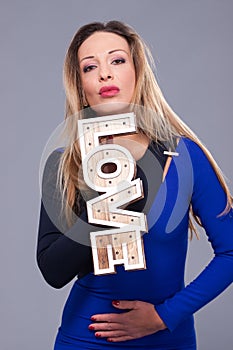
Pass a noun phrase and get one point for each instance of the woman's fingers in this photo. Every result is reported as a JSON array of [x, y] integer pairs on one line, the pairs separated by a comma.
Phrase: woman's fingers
[[113, 318], [105, 326], [139, 320]]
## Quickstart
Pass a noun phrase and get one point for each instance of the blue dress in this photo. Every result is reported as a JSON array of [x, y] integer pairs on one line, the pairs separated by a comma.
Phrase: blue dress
[[190, 180]]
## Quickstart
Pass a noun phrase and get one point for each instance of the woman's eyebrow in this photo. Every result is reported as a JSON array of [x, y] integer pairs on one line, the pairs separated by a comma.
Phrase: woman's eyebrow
[[112, 51], [109, 52], [86, 58]]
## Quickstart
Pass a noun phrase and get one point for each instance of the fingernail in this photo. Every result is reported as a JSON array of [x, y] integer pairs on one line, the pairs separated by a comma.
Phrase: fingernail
[[109, 340], [93, 318], [91, 327], [97, 335], [116, 302]]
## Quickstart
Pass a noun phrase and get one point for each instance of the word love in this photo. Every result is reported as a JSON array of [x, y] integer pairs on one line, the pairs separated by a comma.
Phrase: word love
[[123, 244]]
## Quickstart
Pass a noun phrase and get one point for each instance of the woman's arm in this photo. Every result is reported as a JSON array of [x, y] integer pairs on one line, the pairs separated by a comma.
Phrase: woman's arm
[[208, 201], [62, 253], [59, 256]]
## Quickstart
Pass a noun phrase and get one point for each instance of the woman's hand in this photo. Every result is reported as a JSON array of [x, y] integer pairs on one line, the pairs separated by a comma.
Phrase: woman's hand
[[139, 320]]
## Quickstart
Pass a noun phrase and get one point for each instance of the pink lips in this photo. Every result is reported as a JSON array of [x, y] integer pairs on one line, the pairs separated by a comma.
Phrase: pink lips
[[109, 91]]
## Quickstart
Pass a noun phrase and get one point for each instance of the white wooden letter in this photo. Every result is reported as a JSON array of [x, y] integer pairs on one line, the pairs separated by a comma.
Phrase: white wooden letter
[[123, 245]]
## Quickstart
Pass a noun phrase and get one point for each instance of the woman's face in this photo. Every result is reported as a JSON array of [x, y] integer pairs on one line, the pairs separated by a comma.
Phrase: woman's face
[[107, 71]]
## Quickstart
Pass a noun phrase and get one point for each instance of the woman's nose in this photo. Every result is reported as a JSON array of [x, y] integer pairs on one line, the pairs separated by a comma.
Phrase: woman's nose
[[105, 77], [105, 74]]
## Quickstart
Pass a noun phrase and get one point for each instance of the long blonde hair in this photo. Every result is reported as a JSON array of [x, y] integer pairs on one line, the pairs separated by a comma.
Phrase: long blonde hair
[[164, 127]]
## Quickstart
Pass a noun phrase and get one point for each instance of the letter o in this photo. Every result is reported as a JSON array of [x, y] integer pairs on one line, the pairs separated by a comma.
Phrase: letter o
[[104, 154]]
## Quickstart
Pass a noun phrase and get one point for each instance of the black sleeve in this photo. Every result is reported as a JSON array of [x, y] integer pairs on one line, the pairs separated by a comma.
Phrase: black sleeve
[[62, 253], [60, 258]]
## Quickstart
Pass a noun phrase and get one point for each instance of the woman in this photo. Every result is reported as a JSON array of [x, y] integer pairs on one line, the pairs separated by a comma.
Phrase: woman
[[107, 72]]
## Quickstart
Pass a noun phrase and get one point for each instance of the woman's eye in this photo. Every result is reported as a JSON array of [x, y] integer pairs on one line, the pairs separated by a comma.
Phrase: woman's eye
[[88, 68], [119, 61]]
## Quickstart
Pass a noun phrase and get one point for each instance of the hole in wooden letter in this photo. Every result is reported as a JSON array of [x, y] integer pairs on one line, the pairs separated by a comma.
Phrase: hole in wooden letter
[[109, 168]]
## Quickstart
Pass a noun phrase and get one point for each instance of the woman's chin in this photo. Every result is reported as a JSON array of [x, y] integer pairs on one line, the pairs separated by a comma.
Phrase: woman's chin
[[110, 108]]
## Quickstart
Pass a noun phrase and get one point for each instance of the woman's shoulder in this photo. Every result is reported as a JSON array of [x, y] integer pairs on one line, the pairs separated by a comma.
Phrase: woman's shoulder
[[195, 155], [50, 162], [55, 155], [191, 144], [194, 149], [60, 150]]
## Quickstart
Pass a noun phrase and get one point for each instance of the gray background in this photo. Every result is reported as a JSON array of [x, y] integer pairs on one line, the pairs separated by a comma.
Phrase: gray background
[[192, 44]]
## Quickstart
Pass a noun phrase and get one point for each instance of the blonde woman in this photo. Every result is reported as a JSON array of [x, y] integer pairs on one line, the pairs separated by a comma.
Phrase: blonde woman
[[107, 72]]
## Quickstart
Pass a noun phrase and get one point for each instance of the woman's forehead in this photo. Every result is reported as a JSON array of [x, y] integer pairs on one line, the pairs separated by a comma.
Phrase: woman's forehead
[[102, 42]]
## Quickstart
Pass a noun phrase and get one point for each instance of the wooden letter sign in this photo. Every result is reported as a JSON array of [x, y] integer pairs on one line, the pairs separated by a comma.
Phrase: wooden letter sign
[[124, 244]]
